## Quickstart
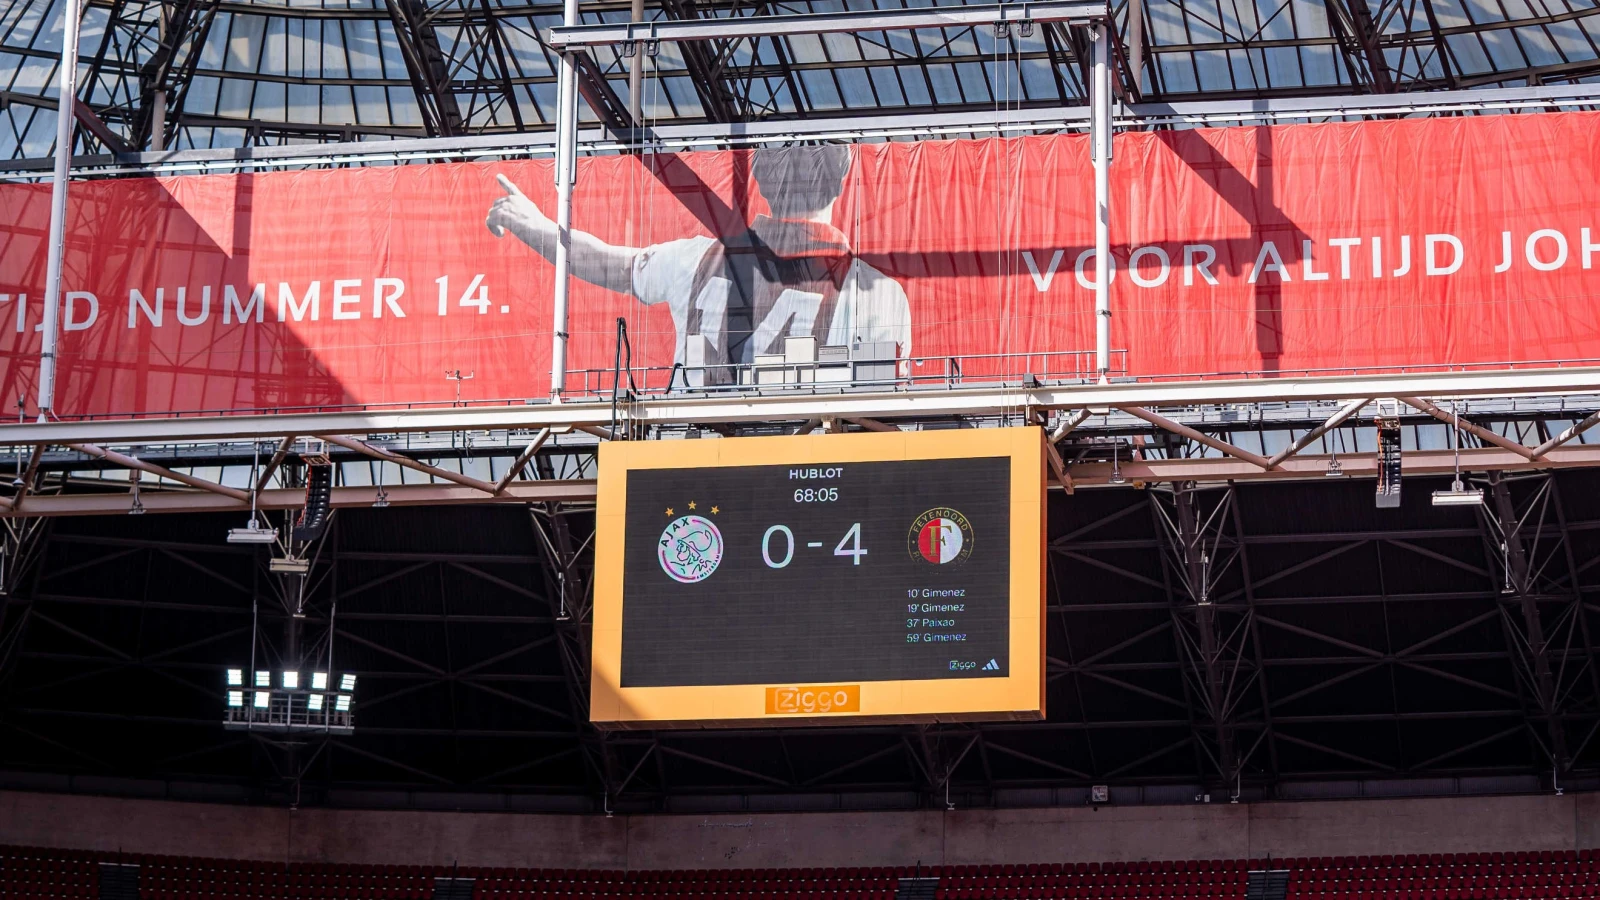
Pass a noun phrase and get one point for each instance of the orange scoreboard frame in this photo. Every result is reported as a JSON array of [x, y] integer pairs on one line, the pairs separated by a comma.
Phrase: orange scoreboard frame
[[860, 486]]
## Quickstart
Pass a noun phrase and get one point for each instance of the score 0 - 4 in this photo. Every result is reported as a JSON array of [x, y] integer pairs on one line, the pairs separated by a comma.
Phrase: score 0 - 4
[[781, 536]]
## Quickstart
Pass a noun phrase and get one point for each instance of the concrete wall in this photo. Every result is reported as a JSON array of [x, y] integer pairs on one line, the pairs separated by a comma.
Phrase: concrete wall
[[1335, 828]]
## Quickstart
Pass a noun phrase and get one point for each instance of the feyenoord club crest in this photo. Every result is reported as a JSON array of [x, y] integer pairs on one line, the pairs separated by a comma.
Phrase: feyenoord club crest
[[690, 549], [941, 535]]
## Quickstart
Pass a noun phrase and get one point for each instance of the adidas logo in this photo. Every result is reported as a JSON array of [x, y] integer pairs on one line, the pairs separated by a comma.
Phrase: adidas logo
[[992, 666]]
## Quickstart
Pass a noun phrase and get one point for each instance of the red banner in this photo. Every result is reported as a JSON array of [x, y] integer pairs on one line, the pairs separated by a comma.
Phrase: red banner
[[1267, 250]]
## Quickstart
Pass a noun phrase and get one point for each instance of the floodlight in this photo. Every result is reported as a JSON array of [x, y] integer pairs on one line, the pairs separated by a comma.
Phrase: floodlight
[[263, 678], [291, 680], [347, 682], [236, 698], [1458, 495], [235, 677], [290, 566], [319, 681], [343, 703], [252, 534], [314, 703], [262, 699]]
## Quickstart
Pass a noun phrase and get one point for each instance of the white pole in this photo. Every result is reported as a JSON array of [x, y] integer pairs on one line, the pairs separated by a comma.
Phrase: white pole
[[636, 69], [65, 131], [1136, 41], [566, 173], [1100, 150], [158, 106]]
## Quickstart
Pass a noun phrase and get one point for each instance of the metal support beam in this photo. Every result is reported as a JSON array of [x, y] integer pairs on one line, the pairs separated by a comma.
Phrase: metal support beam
[[1100, 159], [798, 406], [597, 92], [1588, 422], [1198, 437], [1068, 424], [409, 463], [522, 459], [1516, 547], [129, 462], [99, 129], [717, 98], [1199, 554], [1135, 44], [1483, 434], [636, 68], [28, 478], [164, 83], [428, 67], [880, 124], [1078, 475], [1058, 467], [566, 170], [871, 425], [277, 459], [1334, 421], [65, 131], [1351, 23], [570, 34]]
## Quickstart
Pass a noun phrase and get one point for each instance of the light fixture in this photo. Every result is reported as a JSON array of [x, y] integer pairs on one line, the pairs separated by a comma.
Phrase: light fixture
[[235, 677], [342, 704], [319, 681], [1458, 495], [291, 680], [236, 698], [263, 678], [1116, 470], [263, 699], [1335, 470], [252, 534], [347, 682], [314, 702], [289, 566]]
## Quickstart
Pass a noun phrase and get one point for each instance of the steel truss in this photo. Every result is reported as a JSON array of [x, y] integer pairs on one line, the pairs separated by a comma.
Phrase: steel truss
[[468, 66], [618, 136], [1527, 546], [1198, 443], [1343, 647]]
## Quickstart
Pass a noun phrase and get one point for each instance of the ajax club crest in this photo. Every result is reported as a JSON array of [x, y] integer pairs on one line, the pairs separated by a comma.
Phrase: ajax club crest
[[941, 535], [690, 549]]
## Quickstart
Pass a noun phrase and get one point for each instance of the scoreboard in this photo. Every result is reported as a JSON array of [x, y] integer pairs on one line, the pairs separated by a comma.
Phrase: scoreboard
[[781, 580]]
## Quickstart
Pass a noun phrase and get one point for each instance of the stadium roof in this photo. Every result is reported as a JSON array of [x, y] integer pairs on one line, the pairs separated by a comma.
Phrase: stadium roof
[[241, 73]]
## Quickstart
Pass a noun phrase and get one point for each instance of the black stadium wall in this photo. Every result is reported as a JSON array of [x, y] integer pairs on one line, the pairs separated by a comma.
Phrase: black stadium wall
[[824, 839]]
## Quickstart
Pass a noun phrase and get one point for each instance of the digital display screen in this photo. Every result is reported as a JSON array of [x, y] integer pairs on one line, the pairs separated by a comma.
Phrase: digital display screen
[[870, 576], [866, 571]]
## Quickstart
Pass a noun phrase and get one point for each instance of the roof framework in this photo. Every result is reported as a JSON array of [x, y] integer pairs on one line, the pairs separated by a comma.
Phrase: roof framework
[[1321, 646], [1214, 627], [225, 73]]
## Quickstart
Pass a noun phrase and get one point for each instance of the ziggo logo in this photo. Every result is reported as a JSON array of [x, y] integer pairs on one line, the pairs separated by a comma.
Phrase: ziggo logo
[[811, 699]]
